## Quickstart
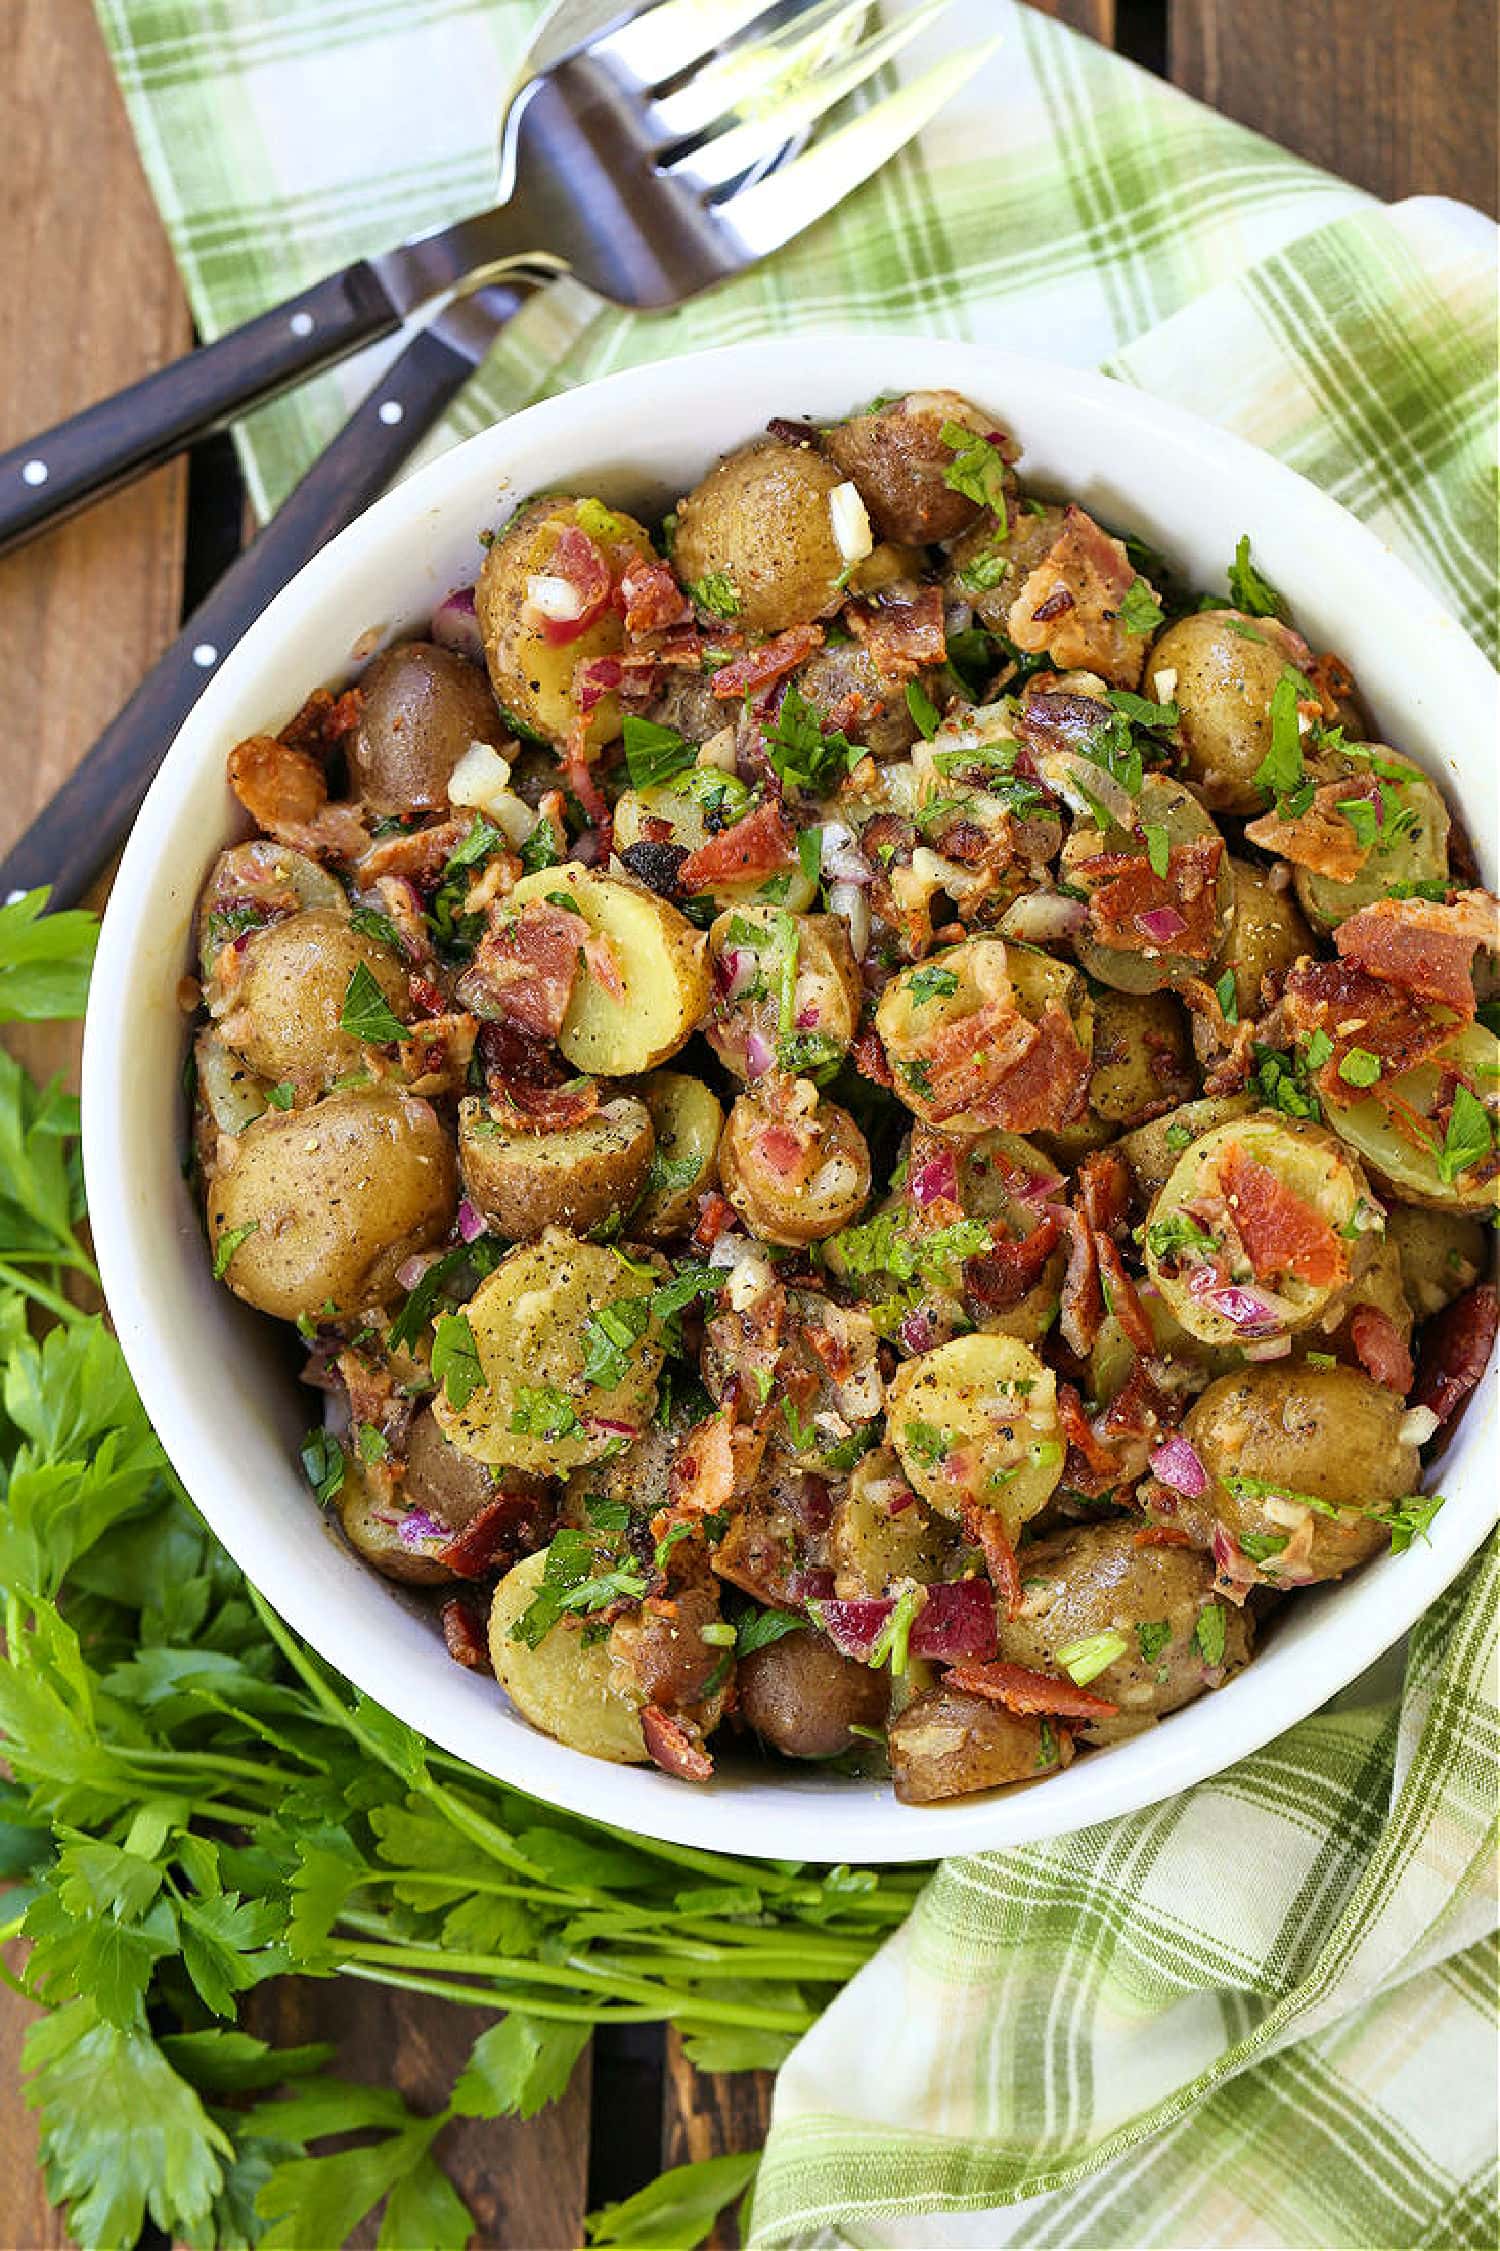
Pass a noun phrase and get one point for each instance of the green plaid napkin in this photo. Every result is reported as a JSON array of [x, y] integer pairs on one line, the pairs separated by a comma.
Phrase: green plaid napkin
[[1260, 2015]]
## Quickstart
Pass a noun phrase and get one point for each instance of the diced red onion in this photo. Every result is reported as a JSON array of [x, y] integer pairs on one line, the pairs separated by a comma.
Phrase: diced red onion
[[956, 1621], [853, 1626], [455, 626], [471, 1222], [610, 1429], [734, 971], [759, 1054], [809, 1583], [1038, 918], [901, 1498], [1161, 925], [417, 1525], [916, 1332], [934, 1180], [411, 1270], [1177, 1465], [1236, 1573], [1256, 1311], [809, 1018]]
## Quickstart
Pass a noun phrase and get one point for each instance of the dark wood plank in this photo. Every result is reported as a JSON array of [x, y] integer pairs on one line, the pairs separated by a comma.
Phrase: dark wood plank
[[1096, 17], [710, 2114], [1399, 98]]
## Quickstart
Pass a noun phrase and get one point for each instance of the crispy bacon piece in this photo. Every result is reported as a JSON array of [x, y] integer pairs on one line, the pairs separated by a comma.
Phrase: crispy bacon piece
[[1424, 947], [284, 791], [1121, 1296], [464, 1634], [903, 638], [529, 1107], [716, 1216], [1021, 1690], [525, 968], [653, 599], [717, 1460], [1454, 1350], [868, 1057], [1322, 838], [1380, 1348], [576, 558], [758, 668], [507, 1527], [1355, 1009], [746, 853], [1281, 1233], [596, 678], [1001, 1277], [1091, 1466], [1103, 1190], [435, 1059], [1006, 1071], [579, 776], [1082, 1300], [984, 1530], [1127, 897], [675, 1745], [324, 721], [1083, 633], [418, 859], [1161, 1536]]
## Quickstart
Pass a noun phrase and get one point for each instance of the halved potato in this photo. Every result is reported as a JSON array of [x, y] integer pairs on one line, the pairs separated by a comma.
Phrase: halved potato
[[956, 983], [685, 1161], [535, 1408], [533, 675], [947, 1744], [566, 1686], [695, 806], [525, 1183], [1394, 1132], [400, 1542], [786, 989], [662, 966], [975, 1420], [795, 1178]]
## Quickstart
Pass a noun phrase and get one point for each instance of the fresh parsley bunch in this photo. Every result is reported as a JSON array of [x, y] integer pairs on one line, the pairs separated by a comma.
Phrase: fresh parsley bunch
[[197, 1806]]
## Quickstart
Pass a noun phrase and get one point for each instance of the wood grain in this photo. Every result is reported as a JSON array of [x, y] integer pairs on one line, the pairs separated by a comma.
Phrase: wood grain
[[1396, 95], [1096, 17], [710, 2114]]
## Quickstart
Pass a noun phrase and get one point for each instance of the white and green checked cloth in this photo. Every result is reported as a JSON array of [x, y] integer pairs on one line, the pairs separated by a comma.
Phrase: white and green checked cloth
[[1261, 2014]]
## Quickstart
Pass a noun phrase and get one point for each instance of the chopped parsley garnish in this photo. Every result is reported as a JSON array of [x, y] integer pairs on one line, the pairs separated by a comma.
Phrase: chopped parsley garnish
[[606, 1515], [977, 470], [930, 1445], [1238, 627], [923, 710], [1264, 1547], [1469, 1138], [323, 1465], [571, 1583], [1176, 1233], [757, 1629], [1364, 818], [372, 924], [940, 810], [803, 754], [1359, 1067], [372, 1443], [1249, 589], [1281, 1076], [455, 1359], [481, 841], [1140, 712], [366, 1013], [610, 1335], [716, 593], [1210, 1633], [1282, 768], [983, 573], [891, 1644], [1152, 1636], [917, 1074], [971, 659], [654, 753], [1084, 1660], [1158, 847], [1179, 1137], [1409, 1519], [542, 1411], [930, 984], [810, 853], [228, 1243], [882, 1245], [281, 1096], [1140, 612], [542, 849], [1227, 997]]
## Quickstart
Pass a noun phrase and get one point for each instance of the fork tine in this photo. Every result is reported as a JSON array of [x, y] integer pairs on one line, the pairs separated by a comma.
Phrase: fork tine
[[732, 81], [769, 213], [669, 37], [810, 93]]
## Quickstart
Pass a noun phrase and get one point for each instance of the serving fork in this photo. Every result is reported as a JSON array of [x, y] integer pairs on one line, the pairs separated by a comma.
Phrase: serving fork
[[650, 160]]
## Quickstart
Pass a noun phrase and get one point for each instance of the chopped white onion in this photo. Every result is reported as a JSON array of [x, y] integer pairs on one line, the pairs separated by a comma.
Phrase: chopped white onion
[[1038, 918], [1085, 786], [749, 1278], [480, 775], [1165, 683], [850, 522], [555, 598], [842, 859], [1417, 1426], [1304, 723], [719, 751], [852, 902], [934, 873]]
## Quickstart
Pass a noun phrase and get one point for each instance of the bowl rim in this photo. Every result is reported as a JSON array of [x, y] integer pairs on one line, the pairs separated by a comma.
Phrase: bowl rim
[[1158, 1764]]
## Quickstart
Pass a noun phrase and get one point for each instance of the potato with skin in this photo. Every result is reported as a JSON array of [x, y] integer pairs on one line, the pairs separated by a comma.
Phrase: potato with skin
[[421, 708], [794, 1179], [567, 1687], [989, 574], [449, 1485], [802, 1697], [785, 987], [884, 1535], [394, 1538], [283, 1011], [1096, 1580], [898, 458], [881, 720], [1153, 1149], [695, 806], [755, 542], [535, 1408], [533, 663], [956, 983], [1142, 1059], [687, 1122], [660, 985], [1266, 934], [1411, 844], [948, 1744], [256, 883], [1300, 1459], [576, 1178], [975, 1424], [1441, 1255], [1167, 805], [1227, 668], [336, 1200]]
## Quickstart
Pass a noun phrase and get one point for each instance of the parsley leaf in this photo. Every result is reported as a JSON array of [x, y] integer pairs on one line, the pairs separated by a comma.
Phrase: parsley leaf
[[1158, 847], [1249, 590], [923, 710], [1282, 768], [803, 755], [366, 1013], [324, 1465], [44, 960], [977, 470], [757, 1629], [655, 753], [372, 924], [930, 984], [1140, 612], [481, 841], [1210, 1633], [543, 848], [930, 1445], [456, 1364], [1142, 713], [1152, 1636], [1359, 1067], [229, 1242], [717, 593], [1468, 1140], [542, 1411]]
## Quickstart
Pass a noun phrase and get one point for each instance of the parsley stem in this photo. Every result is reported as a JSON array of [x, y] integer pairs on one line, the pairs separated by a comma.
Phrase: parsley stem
[[505, 1971], [831, 1965], [53, 1300], [483, 1997]]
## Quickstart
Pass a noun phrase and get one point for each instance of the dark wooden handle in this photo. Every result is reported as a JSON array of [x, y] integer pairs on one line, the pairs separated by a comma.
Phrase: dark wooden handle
[[72, 838], [50, 476]]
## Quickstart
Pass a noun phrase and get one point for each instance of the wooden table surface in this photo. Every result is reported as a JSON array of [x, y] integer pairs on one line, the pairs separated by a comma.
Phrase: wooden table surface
[[1396, 96]]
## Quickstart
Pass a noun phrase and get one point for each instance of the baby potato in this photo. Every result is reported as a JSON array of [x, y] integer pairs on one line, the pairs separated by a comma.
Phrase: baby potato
[[797, 1177], [447, 1484], [1309, 1230], [755, 541], [1266, 933], [566, 1686], [956, 983], [283, 1010], [661, 973], [317, 1210], [990, 573], [1299, 1458], [1441, 1255], [1096, 1582], [803, 1698], [975, 1422], [576, 1179], [1411, 845], [1153, 1149], [227, 1094], [1227, 668], [883, 1534], [397, 1539], [535, 1408], [1394, 1131], [255, 883], [948, 1744], [695, 806], [421, 707], [1142, 1055], [1165, 804], [786, 990], [897, 456], [532, 660], [687, 1121], [871, 711]]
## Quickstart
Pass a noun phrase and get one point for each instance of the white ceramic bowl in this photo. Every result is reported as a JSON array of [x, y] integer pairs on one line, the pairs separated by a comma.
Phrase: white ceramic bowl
[[214, 1376]]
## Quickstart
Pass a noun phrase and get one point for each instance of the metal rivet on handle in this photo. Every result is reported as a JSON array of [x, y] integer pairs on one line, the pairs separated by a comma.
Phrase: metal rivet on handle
[[391, 411], [205, 654], [35, 473], [301, 324]]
